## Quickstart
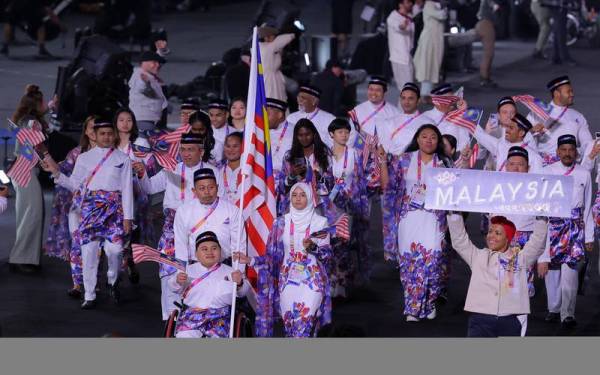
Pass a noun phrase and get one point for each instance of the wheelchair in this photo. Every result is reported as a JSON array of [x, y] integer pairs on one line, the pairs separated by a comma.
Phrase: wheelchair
[[243, 320]]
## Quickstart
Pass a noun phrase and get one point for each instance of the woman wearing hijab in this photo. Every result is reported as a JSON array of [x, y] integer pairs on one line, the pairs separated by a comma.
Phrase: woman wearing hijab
[[414, 236], [293, 282]]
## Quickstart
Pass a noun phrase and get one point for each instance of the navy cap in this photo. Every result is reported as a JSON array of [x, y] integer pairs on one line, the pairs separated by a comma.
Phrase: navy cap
[[412, 87], [191, 139], [206, 237], [378, 80], [218, 104], [151, 56], [557, 82], [442, 89], [189, 105], [203, 174], [506, 100], [102, 124], [518, 151], [567, 139], [311, 90], [277, 104], [522, 122]]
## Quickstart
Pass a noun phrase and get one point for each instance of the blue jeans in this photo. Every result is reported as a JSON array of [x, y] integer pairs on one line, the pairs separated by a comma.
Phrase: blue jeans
[[484, 325]]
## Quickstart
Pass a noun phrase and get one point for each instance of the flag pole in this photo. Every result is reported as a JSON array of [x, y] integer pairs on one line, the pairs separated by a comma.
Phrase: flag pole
[[251, 103]]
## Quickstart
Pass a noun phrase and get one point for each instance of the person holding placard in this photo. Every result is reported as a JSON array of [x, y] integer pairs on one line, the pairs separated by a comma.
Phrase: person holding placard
[[414, 237], [497, 298], [568, 238]]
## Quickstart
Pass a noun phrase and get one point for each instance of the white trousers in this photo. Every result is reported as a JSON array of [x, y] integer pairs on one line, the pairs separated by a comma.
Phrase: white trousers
[[561, 288], [167, 297], [403, 73], [90, 255]]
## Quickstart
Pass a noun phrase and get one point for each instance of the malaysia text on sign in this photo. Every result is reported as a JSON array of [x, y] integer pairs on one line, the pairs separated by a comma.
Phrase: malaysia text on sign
[[498, 192]]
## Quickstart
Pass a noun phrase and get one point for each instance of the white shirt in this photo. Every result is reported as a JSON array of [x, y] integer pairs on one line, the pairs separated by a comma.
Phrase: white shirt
[[461, 134], [337, 165], [221, 133], [499, 148], [281, 143], [227, 179], [214, 292], [397, 132], [217, 152], [170, 183], [400, 42], [582, 194], [571, 122], [114, 175], [369, 125], [320, 118], [224, 222]]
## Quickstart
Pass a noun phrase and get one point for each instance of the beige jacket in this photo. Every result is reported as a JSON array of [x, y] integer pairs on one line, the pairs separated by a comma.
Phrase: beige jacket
[[494, 290]]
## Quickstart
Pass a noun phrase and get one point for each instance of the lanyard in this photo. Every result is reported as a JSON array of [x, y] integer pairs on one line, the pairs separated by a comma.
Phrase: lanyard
[[341, 179], [225, 181], [89, 179], [570, 170], [376, 111], [306, 235], [523, 145], [281, 137], [200, 279], [203, 220], [555, 121], [313, 115], [419, 167], [404, 124]]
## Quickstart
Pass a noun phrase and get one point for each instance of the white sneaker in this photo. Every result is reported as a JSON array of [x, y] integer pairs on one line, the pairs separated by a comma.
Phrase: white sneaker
[[410, 318], [432, 315]]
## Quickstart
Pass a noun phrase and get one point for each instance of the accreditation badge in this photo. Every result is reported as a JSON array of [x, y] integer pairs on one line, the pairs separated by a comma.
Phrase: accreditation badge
[[417, 196]]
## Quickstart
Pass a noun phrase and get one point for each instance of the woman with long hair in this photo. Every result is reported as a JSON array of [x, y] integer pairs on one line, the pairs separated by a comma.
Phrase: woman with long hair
[[237, 113], [414, 237], [126, 130], [308, 160], [293, 283], [59, 242], [25, 254]]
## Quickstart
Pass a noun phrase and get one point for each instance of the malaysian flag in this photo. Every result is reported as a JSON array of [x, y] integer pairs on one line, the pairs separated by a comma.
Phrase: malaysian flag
[[30, 136], [444, 99], [540, 108], [143, 253], [341, 229], [257, 199], [165, 153], [366, 144], [474, 155], [20, 171], [467, 118]]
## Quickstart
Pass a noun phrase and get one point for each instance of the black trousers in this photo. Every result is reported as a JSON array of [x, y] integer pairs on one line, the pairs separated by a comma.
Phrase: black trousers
[[484, 325], [559, 29]]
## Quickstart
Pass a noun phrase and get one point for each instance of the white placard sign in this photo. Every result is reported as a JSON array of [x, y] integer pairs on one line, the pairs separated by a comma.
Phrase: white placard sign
[[498, 192]]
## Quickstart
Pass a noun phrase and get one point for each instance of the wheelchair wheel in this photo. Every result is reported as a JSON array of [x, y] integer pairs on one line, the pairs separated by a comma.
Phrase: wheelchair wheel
[[171, 322], [243, 326]]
